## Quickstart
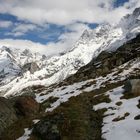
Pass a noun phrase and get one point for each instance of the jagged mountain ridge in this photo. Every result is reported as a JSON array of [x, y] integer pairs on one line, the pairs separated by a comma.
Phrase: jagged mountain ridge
[[13, 61], [92, 42]]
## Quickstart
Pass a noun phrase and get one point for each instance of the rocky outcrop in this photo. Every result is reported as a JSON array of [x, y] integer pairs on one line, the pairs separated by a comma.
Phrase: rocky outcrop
[[14, 109], [32, 67], [7, 114], [132, 86]]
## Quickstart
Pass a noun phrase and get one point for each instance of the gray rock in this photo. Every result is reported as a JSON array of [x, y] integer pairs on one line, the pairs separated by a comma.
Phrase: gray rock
[[32, 67], [135, 86], [132, 86], [47, 130], [128, 86]]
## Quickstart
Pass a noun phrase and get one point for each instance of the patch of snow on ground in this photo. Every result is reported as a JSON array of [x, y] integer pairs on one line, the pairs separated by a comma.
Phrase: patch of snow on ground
[[127, 129], [36, 121], [26, 134]]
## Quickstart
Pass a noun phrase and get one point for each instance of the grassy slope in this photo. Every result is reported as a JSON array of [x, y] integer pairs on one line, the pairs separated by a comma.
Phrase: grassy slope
[[81, 122]]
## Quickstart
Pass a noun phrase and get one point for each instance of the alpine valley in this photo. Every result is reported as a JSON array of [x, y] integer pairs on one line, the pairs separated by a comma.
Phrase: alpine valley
[[91, 92]]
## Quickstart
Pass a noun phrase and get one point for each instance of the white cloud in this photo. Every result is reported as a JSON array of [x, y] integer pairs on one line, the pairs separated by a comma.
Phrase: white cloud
[[25, 44], [64, 12], [33, 46], [21, 28], [5, 24], [66, 41], [24, 28], [15, 34]]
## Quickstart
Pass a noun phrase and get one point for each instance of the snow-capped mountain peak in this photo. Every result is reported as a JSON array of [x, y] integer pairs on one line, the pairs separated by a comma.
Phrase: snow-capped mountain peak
[[13, 61], [91, 43]]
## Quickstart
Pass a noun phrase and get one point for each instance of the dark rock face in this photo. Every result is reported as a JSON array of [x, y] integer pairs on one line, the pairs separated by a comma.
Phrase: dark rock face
[[7, 114], [27, 52], [47, 131], [136, 12], [26, 106], [14, 109], [32, 67]]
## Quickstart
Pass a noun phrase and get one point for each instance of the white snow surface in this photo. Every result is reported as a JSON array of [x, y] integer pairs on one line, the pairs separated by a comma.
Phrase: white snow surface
[[26, 134]]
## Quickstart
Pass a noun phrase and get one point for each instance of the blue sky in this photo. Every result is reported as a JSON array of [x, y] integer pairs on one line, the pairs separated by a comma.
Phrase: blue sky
[[49, 33], [120, 2], [53, 23]]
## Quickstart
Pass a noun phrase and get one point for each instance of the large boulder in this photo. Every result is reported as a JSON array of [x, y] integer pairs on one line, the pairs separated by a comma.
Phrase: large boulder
[[26, 106], [133, 86], [7, 114], [47, 129]]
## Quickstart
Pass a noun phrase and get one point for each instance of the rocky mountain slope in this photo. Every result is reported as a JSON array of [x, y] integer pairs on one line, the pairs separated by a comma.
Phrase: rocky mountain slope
[[95, 91], [100, 101], [91, 43]]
